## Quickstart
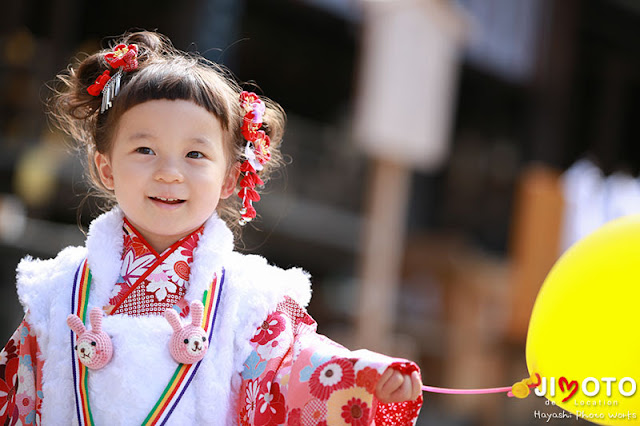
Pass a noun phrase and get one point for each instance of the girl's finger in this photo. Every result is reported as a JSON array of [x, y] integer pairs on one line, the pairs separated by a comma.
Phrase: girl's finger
[[388, 383], [384, 378], [416, 385], [403, 391]]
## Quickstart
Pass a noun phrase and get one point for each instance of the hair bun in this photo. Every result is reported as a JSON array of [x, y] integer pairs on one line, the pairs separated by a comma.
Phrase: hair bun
[[149, 44]]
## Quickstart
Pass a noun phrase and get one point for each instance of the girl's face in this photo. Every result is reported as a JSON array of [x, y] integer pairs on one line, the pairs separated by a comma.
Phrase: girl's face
[[167, 168]]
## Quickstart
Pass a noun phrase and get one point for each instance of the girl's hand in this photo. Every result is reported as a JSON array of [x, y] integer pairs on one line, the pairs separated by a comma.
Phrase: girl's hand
[[395, 386]]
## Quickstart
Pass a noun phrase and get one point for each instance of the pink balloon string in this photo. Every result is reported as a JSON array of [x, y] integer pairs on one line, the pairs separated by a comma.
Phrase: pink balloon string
[[433, 389], [505, 389]]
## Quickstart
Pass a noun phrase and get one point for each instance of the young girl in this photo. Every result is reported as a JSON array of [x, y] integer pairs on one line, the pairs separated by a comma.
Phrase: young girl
[[157, 319]]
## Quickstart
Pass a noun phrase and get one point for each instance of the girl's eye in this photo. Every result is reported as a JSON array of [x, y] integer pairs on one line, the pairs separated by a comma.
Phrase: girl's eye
[[144, 150], [195, 154]]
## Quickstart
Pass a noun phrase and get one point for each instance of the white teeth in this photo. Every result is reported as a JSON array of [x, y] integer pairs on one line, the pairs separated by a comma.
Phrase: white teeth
[[167, 199]]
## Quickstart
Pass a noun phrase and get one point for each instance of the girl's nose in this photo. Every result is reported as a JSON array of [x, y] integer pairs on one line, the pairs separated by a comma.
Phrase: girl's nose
[[168, 172]]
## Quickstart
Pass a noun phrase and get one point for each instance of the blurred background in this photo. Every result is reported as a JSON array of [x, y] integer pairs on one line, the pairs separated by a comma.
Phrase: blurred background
[[442, 156]]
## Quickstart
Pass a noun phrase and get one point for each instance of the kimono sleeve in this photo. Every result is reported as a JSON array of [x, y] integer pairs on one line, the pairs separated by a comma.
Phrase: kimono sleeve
[[20, 378], [295, 376]]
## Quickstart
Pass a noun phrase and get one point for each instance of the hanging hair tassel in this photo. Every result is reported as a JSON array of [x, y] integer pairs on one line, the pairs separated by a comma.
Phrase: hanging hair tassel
[[256, 154], [111, 89]]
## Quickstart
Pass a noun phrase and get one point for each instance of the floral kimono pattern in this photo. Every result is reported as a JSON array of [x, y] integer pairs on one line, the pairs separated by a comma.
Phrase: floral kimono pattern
[[295, 376], [20, 375]]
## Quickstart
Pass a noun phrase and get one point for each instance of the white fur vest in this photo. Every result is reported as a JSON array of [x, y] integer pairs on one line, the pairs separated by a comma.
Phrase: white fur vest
[[123, 392]]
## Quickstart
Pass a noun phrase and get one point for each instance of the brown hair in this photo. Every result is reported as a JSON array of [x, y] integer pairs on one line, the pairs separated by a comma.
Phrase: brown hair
[[163, 73]]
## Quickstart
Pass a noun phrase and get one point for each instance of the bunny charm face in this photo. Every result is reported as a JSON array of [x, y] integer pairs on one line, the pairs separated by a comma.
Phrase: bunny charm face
[[93, 347], [188, 344]]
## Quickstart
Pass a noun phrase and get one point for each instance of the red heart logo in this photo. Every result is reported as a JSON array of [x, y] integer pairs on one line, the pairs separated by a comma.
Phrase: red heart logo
[[572, 387]]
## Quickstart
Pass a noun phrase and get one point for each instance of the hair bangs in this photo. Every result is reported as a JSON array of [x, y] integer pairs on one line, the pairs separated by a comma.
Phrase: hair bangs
[[179, 80]]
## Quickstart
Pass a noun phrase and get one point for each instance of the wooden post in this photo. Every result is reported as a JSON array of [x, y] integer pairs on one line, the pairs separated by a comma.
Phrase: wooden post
[[383, 251], [409, 63]]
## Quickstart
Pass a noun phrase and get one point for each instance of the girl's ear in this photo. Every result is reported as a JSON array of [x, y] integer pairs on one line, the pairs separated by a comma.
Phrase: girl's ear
[[103, 164], [229, 184]]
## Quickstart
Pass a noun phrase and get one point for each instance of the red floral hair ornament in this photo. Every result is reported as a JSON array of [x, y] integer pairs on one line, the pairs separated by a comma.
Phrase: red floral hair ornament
[[256, 153], [123, 58], [96, 88]]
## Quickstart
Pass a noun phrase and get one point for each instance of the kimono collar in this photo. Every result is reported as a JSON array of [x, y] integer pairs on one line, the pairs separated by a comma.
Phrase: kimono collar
[[105, 245], [157, 281], [133, 240]]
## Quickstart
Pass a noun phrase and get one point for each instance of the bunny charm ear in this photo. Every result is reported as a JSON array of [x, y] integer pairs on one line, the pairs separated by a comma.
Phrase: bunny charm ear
[[197, 311], [188, 344], [93, 348], [75, 323]]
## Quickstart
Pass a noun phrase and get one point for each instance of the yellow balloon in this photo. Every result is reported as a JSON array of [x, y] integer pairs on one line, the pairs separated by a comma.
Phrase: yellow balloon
[[584, 332]]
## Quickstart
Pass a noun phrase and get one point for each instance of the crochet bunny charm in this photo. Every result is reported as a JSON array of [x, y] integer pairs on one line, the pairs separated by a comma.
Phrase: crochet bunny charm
[[94, 348], [188, 344]]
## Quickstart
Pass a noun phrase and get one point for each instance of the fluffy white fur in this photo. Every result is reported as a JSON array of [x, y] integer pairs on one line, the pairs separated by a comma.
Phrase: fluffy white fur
[[44, 289], [126, 389]]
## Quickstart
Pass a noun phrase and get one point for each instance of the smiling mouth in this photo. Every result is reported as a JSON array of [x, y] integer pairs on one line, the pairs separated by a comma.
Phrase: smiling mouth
[[168, 200]]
